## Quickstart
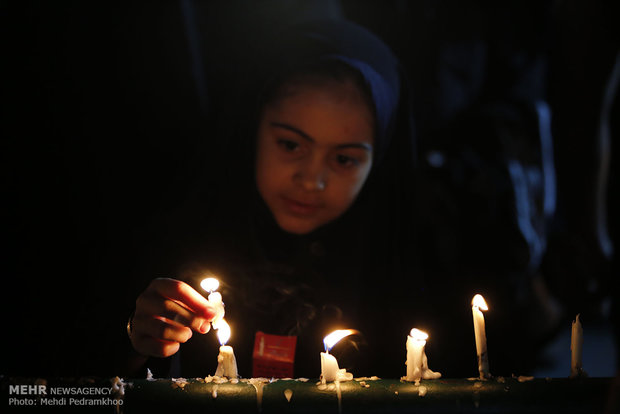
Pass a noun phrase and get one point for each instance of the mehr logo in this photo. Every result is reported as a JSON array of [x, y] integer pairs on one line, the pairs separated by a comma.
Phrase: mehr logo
[[28, 389]]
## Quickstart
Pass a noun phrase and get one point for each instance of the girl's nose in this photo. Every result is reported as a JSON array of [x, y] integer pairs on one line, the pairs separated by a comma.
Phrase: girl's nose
[[311, 176]]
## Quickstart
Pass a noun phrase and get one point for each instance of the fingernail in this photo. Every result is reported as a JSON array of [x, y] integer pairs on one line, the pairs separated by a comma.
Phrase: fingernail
[[205, 327]]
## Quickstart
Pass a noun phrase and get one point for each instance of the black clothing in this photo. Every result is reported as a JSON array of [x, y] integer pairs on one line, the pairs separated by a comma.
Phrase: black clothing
[[281, 283]]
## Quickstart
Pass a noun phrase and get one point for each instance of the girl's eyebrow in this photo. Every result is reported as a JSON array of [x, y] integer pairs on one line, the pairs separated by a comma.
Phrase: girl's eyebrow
[[293, 129], [362, 145]]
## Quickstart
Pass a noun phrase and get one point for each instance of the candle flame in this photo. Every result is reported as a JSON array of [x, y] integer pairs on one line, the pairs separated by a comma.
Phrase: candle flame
[[418, 335], [479, 302], [223, 332], [210, 284], [334, 337]]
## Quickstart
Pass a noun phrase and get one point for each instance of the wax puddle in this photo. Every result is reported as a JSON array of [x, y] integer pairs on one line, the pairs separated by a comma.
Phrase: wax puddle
[[524, 378], [259, 384], [422, 391], [339, 393]]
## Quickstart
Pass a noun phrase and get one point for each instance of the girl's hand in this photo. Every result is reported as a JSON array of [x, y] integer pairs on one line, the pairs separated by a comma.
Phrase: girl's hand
[[166, 314]]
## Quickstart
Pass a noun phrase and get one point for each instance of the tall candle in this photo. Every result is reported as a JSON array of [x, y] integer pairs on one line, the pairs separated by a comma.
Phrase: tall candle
[[417, 361], [211, 284], [477, 304], [330, 371], [216, 299], [576, 346], [226, 361]]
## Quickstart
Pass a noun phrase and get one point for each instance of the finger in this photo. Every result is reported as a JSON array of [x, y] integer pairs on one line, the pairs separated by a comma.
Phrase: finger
[[150, 346], [161, 329], [185, 295], [152, 304]]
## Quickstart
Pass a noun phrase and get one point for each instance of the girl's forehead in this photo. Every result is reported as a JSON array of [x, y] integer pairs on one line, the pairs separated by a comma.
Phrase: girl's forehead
[[331, 115], [329, 93]]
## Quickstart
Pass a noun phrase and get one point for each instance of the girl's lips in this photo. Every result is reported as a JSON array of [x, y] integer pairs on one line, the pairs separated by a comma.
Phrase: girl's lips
[[300, 208]]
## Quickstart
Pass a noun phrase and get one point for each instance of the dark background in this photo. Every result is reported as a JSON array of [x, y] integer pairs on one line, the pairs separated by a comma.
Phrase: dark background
[[107, 113]]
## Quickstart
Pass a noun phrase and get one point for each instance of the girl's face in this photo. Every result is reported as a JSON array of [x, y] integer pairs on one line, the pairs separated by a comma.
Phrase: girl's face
[[314, 153]]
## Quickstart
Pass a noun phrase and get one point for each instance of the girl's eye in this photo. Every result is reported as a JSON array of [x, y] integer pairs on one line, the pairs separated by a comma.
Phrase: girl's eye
[[288, 145], [346, 161]]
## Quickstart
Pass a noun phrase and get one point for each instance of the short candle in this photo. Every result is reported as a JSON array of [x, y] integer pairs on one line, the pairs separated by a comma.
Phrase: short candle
[[226, 361], [330, 371], [417, 362]]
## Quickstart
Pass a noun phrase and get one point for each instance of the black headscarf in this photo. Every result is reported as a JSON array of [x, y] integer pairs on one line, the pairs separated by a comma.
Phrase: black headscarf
[[293, 49], [345, 42]]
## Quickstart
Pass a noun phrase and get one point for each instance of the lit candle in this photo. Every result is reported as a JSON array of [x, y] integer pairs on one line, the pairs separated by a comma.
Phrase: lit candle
[[477, 304], [329, 365], [576, 345], [226, 361], [211, 284], [415, 348], [417, 362]]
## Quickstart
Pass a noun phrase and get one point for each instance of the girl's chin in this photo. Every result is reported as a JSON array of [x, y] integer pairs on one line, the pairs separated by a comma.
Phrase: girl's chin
[[297, 226], [299, 230]]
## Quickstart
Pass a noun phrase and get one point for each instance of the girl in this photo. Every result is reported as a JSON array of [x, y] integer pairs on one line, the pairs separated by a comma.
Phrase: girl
[[305, 220]]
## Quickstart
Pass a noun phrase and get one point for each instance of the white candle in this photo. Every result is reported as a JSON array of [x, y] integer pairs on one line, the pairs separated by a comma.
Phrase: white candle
[[477, 304], [417, 361], [576, 346], [329, 367], [226, 361], [211, 284], [330, 371], [416, 341], [216, 300], [427, 373]]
